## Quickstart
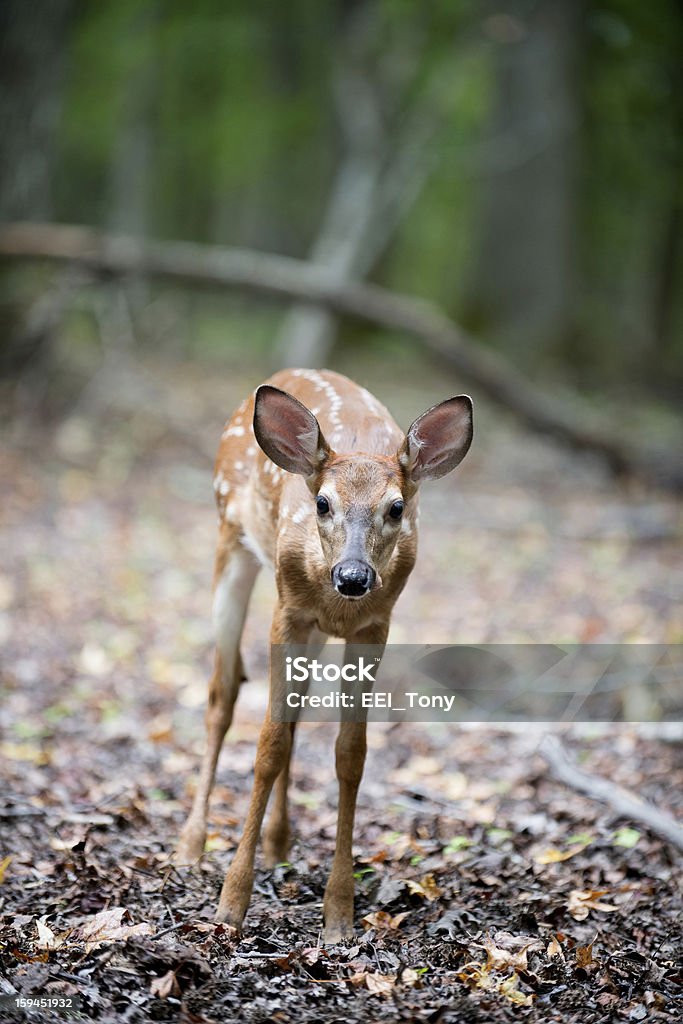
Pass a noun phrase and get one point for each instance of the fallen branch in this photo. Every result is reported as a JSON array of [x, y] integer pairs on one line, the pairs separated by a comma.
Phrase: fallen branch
[[285, 278], [621, 802]]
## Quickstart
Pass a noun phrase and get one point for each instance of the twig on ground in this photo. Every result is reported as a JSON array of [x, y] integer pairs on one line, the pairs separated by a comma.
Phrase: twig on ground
[[620, 800]]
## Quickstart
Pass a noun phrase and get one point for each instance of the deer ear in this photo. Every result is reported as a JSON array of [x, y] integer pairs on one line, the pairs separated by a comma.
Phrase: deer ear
[[287, 432], [438, 440]]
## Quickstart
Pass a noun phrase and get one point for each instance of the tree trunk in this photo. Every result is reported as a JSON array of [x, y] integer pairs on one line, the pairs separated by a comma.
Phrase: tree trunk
[[32, 48], [307, 333], [524, 279], [130, 185]]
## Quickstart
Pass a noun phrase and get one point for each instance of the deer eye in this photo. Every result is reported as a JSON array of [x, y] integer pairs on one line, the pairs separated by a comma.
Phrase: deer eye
[[322, 505], [396, 510]]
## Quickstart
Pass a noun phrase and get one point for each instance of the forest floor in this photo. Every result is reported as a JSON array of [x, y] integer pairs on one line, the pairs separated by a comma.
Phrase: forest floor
[[485, 890]]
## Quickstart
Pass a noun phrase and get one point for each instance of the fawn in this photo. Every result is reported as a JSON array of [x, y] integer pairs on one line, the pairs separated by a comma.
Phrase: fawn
[[315, 479]]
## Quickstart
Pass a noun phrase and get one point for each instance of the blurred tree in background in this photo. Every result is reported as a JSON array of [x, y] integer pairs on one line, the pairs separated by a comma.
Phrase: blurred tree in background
[[518, 162]]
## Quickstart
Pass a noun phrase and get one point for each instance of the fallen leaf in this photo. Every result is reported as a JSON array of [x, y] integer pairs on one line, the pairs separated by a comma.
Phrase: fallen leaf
[[426, 888], [553, 856], [581, 902], [160, 729], [500, 958], [165, 986], [94, 661], [383, 921], [584, 955], [554, 949], [312, 954], [626, 837], [25, 752], [478, 975], [380, 984], [498, 835], [42, 958], [510, 989], [456, 844], [108, 926], [4, 864], [47, 939]]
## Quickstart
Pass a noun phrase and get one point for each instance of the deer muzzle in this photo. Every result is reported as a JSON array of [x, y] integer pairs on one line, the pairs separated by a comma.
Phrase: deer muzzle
[[353, 578]]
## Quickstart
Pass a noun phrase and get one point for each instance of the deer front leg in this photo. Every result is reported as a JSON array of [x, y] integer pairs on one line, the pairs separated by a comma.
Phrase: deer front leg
[[350, 753], [277, 833], [272, 758], [338, 904]]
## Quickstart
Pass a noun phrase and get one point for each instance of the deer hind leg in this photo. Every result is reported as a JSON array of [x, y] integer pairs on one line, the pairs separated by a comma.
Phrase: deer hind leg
[[272, 757], [277, 833], [235, 575]]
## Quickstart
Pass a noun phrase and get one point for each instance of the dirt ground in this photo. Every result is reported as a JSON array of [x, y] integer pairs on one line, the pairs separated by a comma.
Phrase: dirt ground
[[485, 890]]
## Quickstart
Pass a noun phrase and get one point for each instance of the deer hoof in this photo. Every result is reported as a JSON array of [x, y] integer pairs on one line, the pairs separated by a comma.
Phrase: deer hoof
[[228, 915], [335, 933]]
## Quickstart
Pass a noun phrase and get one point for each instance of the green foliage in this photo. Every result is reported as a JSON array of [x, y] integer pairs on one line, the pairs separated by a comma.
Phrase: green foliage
[[235, 104]]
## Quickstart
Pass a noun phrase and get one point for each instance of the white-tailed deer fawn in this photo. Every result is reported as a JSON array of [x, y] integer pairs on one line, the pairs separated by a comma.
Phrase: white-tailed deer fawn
[[314, 478]]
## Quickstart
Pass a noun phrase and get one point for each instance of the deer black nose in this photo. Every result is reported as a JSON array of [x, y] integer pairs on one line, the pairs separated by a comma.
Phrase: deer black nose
[[353, 579]]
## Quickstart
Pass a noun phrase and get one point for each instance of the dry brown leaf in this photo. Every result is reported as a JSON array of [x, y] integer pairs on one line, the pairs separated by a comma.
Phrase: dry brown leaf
[[399, 846], [41, 958], [553, 856], [165, 986], [47, 939], [499, 958], [426, 888], [380, 984], [63, 845], [480, 976], [554, 949], [584, 955], [582, 901], [510, 989], [383, 921], [475, 975], [25, 752], [160, 729], [108, 926], [312, 954], [4, 864]]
